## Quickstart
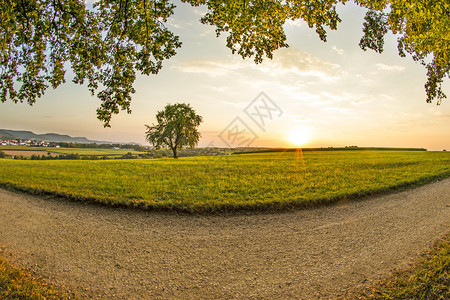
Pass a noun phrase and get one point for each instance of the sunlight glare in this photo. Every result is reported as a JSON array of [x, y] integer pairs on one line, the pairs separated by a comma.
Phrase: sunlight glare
[[299, 137]]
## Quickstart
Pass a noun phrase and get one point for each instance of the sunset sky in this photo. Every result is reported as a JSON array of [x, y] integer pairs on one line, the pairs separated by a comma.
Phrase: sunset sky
[[321, 94]]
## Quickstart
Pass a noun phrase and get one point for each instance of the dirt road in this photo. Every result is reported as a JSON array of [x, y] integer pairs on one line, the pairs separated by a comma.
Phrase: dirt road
[[327, 252]]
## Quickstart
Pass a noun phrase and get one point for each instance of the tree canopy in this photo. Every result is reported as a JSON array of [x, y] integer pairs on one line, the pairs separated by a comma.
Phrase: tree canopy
[[177, 127], [108, 43]]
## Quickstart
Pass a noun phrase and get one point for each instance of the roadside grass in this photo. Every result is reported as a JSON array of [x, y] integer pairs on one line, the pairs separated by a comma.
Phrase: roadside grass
[[18, 284], [263, 181], [429, 278]]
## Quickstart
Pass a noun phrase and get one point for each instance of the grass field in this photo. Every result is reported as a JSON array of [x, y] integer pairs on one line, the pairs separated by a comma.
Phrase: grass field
[[80, 151], [263, 181]]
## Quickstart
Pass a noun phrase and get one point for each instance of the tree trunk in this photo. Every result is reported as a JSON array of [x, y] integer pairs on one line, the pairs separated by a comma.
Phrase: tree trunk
[[175, 154]]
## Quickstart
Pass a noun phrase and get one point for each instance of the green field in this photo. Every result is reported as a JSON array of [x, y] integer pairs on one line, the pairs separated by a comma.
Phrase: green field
[[94, 151], [260, 181], [80, 151]]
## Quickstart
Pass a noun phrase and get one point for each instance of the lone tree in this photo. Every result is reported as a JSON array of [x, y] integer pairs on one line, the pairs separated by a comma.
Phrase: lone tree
[[107, 42], [176, 127]]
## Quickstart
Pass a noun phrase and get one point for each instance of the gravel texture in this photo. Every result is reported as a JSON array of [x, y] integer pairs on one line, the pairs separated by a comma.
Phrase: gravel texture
[[329, 252]]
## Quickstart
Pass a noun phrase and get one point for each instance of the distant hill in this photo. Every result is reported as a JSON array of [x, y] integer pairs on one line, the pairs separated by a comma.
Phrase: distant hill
[[49, 137]]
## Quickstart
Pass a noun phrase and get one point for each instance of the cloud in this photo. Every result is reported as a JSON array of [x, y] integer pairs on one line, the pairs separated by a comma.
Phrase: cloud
[[442, 115], [220, 89], [383, 67], [300, 63], [200, 11], [294, 23], [339, 110], [240, 104], [174, 23], [337, 50], [291, 62], [209, 67]]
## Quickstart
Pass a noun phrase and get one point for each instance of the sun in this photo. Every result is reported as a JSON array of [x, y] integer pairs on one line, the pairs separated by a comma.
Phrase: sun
[[298, 137]]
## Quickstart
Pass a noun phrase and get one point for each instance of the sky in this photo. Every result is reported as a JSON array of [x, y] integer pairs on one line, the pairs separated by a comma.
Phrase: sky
[[312, 94]]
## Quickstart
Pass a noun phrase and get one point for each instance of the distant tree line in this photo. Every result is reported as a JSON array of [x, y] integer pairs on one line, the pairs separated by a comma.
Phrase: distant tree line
[[101, 146], [346, 148], [50, 157], [76, 156], [186, 152]]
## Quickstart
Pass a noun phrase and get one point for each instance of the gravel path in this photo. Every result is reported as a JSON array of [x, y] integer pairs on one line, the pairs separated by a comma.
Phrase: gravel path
[[327, 252]]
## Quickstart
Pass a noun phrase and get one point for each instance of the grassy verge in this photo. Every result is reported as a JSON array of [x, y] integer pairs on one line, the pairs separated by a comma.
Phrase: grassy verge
[[17, 284], [267, 181], [428, 279]]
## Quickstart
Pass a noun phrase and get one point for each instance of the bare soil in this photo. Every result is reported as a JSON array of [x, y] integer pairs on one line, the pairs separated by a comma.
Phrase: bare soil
[[327, 253]]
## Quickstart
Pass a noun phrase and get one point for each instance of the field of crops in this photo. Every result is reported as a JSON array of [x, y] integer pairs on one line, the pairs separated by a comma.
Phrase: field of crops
[[247, 181]]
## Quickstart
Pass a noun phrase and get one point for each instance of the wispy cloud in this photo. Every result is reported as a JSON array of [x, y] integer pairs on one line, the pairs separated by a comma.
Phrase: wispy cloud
[[285, 62], [294, 23], [175, 23], [338, 50], [200, 10], [209, 67], [340, 110], [300, 63], [240, 104], [383, 67]]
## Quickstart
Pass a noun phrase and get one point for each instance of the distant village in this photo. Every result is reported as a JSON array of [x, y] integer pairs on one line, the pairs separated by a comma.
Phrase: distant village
[[40, 143], [28, 143], [43, 143]]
